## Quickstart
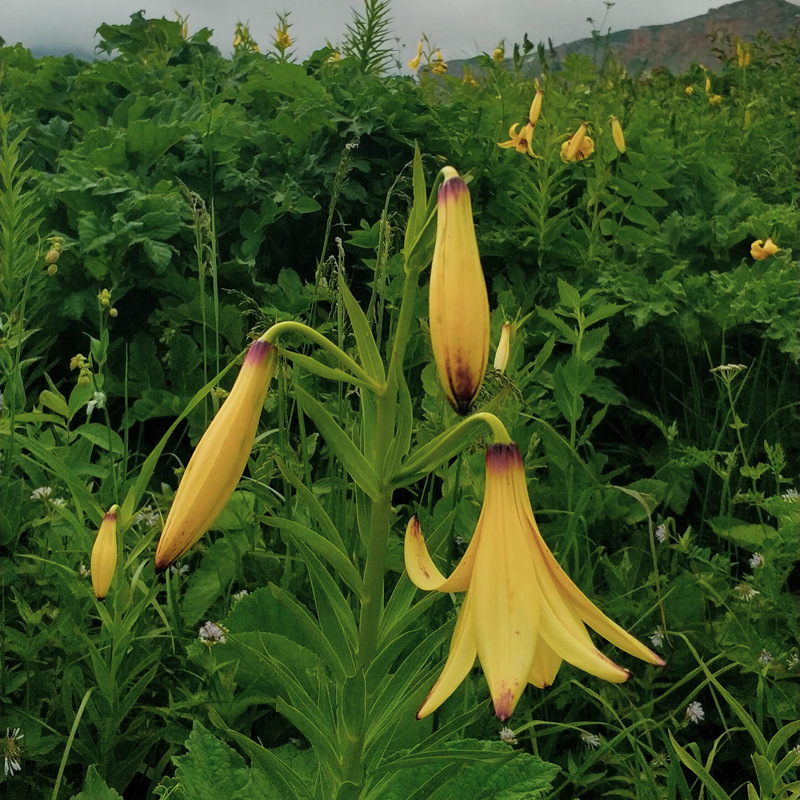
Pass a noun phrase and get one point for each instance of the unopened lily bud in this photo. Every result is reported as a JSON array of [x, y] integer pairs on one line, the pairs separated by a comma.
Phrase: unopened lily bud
[[459, 302], [503, 349], [52, 270], [219, 459], [708, 84], [536, 107], [112, 312], [104, 554], [616, 132], [689, 90]]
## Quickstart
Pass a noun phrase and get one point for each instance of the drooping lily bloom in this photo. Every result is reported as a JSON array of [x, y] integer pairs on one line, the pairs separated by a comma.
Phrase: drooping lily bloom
[[578, 146], [413, 65], [619, 136], [523, 141], [219, 459], [458, 303], [715, 99], [503, 348], [522, 615], [104, 554], [760, 249]]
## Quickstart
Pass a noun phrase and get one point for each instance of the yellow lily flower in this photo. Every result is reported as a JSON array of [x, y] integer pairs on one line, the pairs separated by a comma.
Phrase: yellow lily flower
[[523, 141], [689, 90], [578, 146], [616, 132], [504, 348], [458, 303], [104, 554], [282, 39], [499, 54], [439, 64], [715, 99], [760, 249], [219, 459], [708, 84], [413, 65], [522, 615]]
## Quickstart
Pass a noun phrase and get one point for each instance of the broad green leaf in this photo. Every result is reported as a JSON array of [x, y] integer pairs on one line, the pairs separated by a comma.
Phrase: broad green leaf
[[640, 216], [95, 788], [643, 196], [342, 445], [713, 788], [742, 533], [101, 436], [568, 296]]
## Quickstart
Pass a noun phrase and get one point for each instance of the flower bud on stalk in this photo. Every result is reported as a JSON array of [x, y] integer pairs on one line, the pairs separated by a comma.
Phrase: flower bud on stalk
[[459, 303], [616, 132], [503, 349], [104, 554], [219, 460]]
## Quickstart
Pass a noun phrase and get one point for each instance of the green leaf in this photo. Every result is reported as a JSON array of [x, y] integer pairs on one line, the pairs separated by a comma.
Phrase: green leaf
[[643, 196], [741, 533], [714, 789], [330, 373], [365, 341], [101, 436], [568, 296], [342, 445], [319, 544], [628, 235], [55, 402], [640, 216], [95, 788]]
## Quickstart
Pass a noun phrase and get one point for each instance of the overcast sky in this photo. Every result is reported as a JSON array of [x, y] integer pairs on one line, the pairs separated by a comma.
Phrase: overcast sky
[[461, 28]]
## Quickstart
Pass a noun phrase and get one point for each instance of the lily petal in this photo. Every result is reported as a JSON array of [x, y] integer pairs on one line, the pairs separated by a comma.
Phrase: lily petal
[[546, 663]]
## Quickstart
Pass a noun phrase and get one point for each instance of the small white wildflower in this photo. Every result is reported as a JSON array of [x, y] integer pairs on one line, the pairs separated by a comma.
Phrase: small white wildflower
[[508, 736], [657, 637], [694, 712], [756, 560], [734, 368], [793, 662], [746, 592], [58, 501], [98, 401], [42, 493], [148, 515], [591, 740], [661, 534], [240, 594], [459, 541], [765, 656], [175, 570], [792, 496], [83, 571], [212, 633], [11, 751]]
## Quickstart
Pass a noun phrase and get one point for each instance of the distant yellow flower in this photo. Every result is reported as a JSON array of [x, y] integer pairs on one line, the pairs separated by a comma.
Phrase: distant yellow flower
[[439, 64], [104, 554], [742, 55], [282, 39], [503, 348], [219, 458], [413, 65], [578, 146], [689, 90], [708, 84], [616, 132], [469, 78], [523, 141], [715, 99], [499, 54], [760, 250], [522, 615]]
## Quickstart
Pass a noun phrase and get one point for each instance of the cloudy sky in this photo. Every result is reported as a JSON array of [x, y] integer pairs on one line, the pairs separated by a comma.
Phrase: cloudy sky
[[461, 28]]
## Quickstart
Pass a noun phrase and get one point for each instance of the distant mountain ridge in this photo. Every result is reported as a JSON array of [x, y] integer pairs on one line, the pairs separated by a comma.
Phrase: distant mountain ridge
[[678, 44]]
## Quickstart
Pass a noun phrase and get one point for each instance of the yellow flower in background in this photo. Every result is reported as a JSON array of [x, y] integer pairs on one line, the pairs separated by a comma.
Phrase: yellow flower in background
[[715, 99], [458, 302], [760, 249], [499, 54], [282, 39], [689, 90], [523, 141], [708, 83], [104, 554], [578, 146], [742, 55], [616, 132], [503, 348], [219, 459], [522, 615], [439, 64], [413, 65], [469, 77]]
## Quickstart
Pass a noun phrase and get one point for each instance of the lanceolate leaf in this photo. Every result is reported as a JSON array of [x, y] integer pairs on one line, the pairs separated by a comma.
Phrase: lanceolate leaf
[[351, 457], [367, 348]]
